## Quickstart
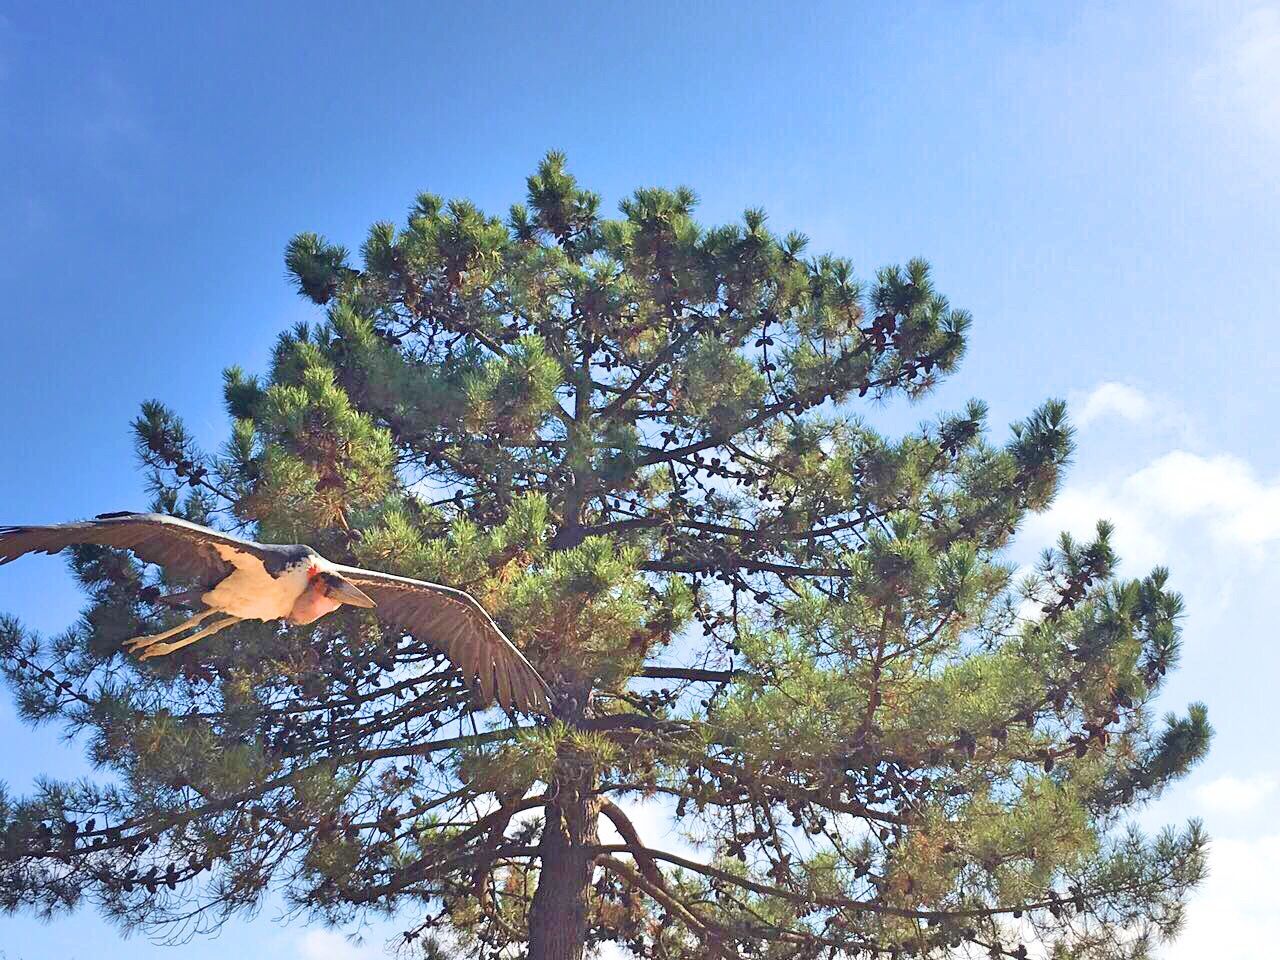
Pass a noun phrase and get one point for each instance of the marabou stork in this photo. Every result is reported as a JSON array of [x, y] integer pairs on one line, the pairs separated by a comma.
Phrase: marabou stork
[[243, 580]]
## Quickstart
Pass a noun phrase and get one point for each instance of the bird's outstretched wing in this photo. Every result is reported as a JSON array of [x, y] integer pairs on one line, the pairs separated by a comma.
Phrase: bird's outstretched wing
[[454, 622], [186, 550]]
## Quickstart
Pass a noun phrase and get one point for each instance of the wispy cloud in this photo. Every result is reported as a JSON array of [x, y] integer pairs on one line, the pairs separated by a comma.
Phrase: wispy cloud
[[1241, 81], [1177, 501], [1223, 492], [1235, 795], [1234, 914], [1112, 400], [1214, 517], [1138, 538], [1174, 497]]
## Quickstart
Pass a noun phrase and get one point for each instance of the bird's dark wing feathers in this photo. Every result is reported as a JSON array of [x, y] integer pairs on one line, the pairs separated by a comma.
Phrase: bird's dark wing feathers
[[186, 550], [454, 622]]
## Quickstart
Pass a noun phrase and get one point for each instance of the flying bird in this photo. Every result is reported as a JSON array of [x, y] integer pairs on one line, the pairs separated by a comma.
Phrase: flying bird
[[244, 580]]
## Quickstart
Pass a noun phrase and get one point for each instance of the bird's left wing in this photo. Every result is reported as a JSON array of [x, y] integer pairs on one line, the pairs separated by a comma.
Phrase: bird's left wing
[[185, 549], [454, 622]]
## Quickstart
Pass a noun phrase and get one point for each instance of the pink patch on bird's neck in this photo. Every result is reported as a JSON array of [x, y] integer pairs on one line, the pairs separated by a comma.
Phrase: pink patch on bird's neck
[[311, 606]]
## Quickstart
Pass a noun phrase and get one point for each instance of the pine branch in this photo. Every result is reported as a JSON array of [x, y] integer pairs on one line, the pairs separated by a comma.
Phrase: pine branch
[[684, 673], [701, 928], [641, 378]]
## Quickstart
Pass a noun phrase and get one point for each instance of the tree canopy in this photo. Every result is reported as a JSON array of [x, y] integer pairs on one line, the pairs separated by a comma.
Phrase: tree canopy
[[646, 446]]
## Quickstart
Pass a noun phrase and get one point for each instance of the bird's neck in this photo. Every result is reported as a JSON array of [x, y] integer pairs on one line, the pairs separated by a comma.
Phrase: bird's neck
[[312, 605]]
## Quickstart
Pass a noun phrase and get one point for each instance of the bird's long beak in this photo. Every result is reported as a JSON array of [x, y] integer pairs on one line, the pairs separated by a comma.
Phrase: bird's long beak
[[346, 592]]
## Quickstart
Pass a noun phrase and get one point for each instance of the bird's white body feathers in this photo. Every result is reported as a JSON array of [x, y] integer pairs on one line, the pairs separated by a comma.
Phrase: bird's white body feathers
[[251, 593]]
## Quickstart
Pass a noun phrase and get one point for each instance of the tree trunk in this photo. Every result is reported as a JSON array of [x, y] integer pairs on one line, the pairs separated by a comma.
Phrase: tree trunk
[[558, 915]]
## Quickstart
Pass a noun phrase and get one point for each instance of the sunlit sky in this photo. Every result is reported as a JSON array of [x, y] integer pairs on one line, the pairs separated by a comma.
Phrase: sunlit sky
[[1095, 182]]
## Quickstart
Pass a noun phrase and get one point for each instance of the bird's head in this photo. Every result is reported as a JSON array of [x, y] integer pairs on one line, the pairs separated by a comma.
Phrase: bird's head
[[338, 588], [326, 591]]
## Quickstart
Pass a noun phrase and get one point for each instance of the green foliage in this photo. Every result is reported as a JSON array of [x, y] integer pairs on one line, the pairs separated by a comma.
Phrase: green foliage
[[636, 441], [511, 397], [317, 267]]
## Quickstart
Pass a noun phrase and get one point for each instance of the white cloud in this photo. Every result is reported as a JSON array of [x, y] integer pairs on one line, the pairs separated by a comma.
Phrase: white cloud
[[1139, 538], [1235, 795], [1234, 913], [1215, 519], [1179, 501], [1223, 491], [1241, 81], [1112, 399], [330, 945]]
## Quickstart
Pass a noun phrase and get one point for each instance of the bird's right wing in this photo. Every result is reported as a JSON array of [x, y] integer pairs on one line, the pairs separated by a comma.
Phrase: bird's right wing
[[185, 549], [454, 622]]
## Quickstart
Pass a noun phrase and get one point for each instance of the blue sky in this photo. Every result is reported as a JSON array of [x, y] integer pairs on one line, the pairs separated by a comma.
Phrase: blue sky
[[1095, 183]]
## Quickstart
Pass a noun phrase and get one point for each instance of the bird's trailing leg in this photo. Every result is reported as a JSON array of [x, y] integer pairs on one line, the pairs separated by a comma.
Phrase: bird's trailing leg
[[137, 643], [160, 649]]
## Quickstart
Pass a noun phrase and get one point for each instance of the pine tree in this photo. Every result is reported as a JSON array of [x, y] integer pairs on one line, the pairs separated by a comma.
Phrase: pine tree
[[638, 442]]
